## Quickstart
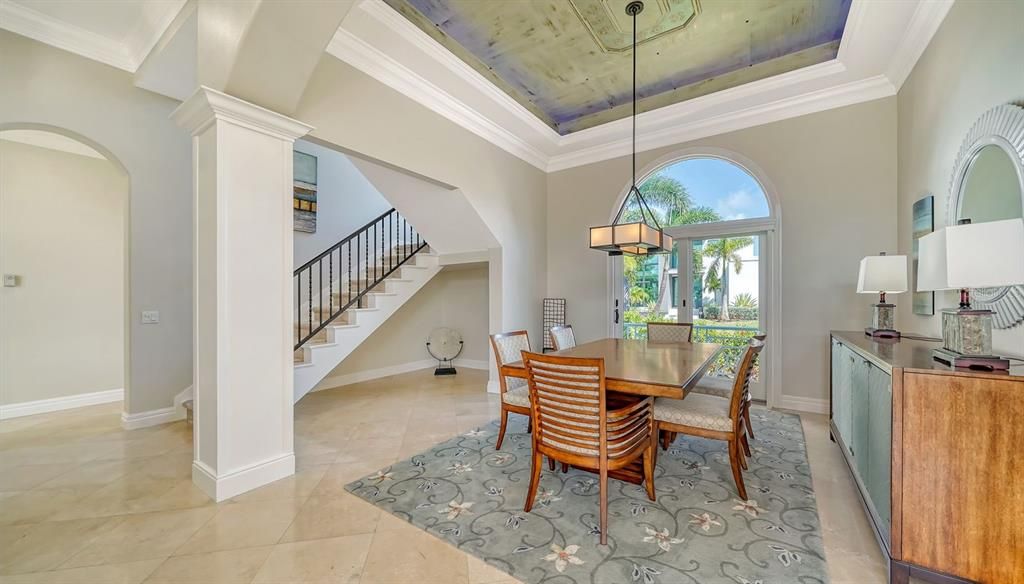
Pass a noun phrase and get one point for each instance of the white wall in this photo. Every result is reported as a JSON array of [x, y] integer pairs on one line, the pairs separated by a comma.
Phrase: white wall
[[45, 86], [345, 202], [455, 298], [354, 111], [835, 173], [62, 233], [972, 64]]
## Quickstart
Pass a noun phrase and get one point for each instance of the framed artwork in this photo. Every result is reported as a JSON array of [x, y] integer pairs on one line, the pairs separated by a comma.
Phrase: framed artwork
[[304, 193], [923, 224]]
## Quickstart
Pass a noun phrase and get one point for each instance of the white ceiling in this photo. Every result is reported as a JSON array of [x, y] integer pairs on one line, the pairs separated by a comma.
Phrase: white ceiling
[[116, 32], [881, 44]]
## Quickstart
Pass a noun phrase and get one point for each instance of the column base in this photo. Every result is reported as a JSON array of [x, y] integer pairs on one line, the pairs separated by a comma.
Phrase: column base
[[243, 480]]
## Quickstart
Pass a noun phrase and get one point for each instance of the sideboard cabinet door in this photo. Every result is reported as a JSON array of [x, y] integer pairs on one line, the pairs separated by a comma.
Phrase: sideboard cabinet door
[[842, 377], [879, 446]]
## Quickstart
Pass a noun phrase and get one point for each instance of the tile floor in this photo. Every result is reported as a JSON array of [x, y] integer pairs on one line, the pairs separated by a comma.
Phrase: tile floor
[[83, 501]]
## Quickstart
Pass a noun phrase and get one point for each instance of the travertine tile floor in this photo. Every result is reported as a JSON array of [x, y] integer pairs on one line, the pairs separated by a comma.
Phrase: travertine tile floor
[[83, 501]]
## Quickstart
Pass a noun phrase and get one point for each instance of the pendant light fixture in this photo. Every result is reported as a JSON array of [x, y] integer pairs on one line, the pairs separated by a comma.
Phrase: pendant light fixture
[[643, 237]]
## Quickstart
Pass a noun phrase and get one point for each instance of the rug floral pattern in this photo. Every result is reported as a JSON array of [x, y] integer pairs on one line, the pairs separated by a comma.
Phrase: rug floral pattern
[[698, 531]]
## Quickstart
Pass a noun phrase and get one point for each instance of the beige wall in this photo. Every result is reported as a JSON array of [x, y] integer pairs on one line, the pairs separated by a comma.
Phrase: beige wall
[[41, 85], [62, 233], [354, 111], [455, 298], [972, 64], [835, 175]]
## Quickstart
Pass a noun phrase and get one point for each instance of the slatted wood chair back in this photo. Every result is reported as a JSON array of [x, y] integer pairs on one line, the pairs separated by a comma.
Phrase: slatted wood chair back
[[741, 385], [508, 348], [569, 406], [670, 332], [562, 337]]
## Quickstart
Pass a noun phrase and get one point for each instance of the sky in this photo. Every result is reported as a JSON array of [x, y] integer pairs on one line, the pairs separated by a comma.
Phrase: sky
[[721, 185]]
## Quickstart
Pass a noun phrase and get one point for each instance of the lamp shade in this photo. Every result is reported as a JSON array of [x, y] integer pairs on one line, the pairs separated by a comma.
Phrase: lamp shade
[[882, 273], [976, 255]]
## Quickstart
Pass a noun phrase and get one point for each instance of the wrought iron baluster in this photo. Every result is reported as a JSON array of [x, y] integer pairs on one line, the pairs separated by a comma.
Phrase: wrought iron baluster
[[349, 245], [298, 309], [330, 283], [310, 292], [320, 292]]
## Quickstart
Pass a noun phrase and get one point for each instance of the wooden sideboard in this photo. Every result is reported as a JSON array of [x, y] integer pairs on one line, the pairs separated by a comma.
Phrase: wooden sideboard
[[937, 455]]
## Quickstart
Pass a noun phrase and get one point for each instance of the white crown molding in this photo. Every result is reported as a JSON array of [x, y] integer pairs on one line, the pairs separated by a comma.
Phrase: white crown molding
[[156, 18], [923, 24], [57, 404], [368, 59], [63, 35], [383, 44], [207, 105]]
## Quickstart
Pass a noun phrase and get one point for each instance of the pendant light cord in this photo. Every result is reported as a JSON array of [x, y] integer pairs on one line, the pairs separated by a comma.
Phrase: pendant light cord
[[634, 99]]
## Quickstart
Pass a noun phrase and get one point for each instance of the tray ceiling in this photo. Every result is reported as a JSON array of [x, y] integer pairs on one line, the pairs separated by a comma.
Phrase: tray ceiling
[[569, 62]]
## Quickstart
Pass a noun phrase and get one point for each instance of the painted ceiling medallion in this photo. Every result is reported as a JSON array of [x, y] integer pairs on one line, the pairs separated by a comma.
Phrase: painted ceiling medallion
[[610, 26], [547, 54]]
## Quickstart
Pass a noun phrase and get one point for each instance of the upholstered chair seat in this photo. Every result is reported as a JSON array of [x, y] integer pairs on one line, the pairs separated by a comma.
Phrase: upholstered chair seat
[[714, 386], [696, 411], [519, 396]]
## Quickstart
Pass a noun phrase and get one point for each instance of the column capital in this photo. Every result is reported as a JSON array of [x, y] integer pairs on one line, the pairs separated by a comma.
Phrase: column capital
[[207, 106]]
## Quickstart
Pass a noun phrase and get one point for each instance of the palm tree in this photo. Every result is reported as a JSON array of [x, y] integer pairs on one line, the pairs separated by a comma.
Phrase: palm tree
[[671, 204], [723, 252]]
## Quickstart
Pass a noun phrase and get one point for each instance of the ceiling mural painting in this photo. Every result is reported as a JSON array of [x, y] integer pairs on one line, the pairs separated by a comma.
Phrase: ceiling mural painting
[[569, 61]]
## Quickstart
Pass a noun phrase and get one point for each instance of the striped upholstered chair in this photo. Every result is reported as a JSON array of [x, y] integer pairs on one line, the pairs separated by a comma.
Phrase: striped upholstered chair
[[562, 337], [711, 417], [574, 422], [669, 332], [515, 396]]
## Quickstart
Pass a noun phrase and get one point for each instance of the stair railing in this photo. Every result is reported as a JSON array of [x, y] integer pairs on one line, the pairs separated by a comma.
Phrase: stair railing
[[350, 269]]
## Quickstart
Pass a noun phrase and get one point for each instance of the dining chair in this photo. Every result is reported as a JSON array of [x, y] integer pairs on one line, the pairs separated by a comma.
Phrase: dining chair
[[562, 337], [515, 395], [710, 417], [575, 422], [722, 387], [669, 332]]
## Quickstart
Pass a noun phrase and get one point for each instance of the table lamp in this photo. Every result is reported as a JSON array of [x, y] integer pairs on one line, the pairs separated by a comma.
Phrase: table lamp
[[883, 274], [965, 256]]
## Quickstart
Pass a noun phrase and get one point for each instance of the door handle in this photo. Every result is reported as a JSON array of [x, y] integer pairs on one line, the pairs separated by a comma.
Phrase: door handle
[[616, 316]]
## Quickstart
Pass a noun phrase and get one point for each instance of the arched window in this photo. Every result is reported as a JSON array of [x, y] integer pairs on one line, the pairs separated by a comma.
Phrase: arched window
[[720, 216]]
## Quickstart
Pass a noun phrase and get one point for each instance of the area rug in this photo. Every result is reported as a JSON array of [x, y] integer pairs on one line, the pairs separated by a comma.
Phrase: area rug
[[698, 531]]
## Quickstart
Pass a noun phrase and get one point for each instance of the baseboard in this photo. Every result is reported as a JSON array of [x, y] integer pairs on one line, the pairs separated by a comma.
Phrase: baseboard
[[57, 404], [371, 374], [810, 405], [240, 481], [151, 417], [185, 395]]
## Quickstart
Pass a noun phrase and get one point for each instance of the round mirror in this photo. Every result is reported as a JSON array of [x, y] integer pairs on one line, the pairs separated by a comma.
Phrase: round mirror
[[991, 189], [988, 185]]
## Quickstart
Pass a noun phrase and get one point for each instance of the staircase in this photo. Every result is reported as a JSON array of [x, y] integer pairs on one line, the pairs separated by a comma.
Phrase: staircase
[[350, 289]]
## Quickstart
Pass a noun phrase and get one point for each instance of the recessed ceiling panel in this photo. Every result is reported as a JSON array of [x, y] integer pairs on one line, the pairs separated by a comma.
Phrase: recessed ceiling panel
[[569, 62]]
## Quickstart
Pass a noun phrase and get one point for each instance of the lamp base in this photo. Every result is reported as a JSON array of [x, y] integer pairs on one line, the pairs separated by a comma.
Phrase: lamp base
[[881, 333], [984, 362]]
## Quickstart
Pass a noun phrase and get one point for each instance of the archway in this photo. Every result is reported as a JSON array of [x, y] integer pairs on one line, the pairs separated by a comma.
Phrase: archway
[[724, 269], [65, 244]]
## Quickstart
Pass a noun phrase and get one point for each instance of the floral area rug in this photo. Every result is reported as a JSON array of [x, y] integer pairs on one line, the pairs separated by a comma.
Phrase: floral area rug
[[698, 531]]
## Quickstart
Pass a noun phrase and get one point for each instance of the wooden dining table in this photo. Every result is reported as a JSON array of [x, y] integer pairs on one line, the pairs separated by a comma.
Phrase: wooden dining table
[[641, 367]]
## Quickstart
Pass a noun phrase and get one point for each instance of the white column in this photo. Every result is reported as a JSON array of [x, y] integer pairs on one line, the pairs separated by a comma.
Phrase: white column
[[242, 349]]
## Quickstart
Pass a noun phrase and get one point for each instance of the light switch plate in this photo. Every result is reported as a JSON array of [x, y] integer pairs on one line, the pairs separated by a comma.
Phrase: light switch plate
[[10, 280], [150, 316]]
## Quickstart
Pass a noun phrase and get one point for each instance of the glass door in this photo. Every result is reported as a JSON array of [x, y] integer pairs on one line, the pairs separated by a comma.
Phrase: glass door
[[723, 281]]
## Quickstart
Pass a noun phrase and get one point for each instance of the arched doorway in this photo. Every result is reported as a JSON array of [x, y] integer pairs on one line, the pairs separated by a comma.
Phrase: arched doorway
[[724, 217], [63, 250]]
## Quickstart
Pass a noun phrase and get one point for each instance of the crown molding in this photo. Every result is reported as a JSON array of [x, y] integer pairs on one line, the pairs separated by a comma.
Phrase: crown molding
[[923, 25], [368, 59], [156, 18], [653, 134], [383, 44], [208, 105], [46, 29]]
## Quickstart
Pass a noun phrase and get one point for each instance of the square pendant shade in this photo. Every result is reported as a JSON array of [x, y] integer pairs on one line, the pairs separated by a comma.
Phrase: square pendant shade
[[976, 255], [882, 273], [637, 238]]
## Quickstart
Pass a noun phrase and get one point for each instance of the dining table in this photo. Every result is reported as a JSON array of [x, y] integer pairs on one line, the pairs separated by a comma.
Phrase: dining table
[[638, 367]]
